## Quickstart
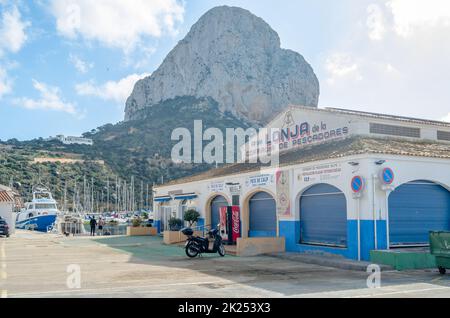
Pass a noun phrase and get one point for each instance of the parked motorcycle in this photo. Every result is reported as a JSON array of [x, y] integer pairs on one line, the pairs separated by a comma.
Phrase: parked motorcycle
[[200, 245]]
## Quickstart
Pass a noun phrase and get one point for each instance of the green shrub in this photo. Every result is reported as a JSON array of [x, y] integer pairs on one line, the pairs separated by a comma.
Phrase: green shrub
[[191, 216], [113, 223], [175, 224], [136, 222]]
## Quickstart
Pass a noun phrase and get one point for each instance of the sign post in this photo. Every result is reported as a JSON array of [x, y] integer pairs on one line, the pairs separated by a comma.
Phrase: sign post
[[357, 184], [387, 179], [387, 176]]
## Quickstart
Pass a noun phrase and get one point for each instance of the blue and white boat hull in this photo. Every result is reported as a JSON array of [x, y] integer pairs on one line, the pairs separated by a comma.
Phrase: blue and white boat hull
[[41, 223]]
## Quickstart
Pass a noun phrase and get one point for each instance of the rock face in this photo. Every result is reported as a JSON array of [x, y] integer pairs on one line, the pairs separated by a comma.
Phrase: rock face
[[235, 58]]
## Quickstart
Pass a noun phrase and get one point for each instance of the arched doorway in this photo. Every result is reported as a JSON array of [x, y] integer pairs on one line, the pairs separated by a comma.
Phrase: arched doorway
[[323, 216], [218, 202], [415, 208], [262, 216]]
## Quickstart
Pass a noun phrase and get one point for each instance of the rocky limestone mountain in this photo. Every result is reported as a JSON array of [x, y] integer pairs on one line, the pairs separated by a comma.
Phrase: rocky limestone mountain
[[235, 58]]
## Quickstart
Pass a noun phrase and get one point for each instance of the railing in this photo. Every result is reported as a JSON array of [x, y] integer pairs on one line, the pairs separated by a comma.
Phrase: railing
[[202, 228], [72, 228], [108, 230]]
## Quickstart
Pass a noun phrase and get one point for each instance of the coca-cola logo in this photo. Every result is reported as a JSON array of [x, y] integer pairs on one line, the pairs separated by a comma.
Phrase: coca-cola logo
[[236, 222]]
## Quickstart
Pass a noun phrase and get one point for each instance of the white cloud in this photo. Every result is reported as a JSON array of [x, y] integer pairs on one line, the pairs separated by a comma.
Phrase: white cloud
[[402, 70], [342, 66], [375, 22], [116, 23], [117, 91], [410, 15], [49, 99], [12, 30], [446, 118], [82, 66], [5, 83]]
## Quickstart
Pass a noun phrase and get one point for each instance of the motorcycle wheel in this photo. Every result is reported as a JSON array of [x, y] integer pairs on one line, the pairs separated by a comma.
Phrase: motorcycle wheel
[[221, 250], [191, 252]]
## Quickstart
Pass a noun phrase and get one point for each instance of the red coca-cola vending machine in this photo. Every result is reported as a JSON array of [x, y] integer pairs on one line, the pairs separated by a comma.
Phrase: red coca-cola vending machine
[[230, 224]]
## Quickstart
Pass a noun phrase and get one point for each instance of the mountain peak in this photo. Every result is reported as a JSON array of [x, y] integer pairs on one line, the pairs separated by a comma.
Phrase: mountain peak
[[235, 58]]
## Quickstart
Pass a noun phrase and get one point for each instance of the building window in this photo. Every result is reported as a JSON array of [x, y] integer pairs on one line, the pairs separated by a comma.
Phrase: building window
[[394, 130], [443, 135]]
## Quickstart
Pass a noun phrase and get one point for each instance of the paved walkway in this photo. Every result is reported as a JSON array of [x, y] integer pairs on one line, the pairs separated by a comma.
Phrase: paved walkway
[[36, 265]]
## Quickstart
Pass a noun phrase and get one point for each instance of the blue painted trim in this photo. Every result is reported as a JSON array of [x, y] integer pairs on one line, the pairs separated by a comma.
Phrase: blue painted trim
[[201, 223], [162, 199], [381, 234], [262, 234], [367, 238], [186, 197], [291, 231], [158, 225]]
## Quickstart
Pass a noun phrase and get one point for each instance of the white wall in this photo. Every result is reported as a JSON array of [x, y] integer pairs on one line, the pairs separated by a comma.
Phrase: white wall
[[373, 197]]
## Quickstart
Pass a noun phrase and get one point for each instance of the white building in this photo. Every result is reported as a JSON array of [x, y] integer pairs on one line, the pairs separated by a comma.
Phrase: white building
[[348, 182], [72, 140], [7, 204]]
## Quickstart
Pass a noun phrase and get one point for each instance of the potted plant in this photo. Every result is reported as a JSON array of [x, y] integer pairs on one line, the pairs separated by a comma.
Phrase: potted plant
[[175, 224], [174, 235], [136, 229], [191, 216], [136, 222]]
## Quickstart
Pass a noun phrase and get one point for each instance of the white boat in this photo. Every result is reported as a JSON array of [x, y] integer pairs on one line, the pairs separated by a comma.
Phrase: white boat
[[40, 214]]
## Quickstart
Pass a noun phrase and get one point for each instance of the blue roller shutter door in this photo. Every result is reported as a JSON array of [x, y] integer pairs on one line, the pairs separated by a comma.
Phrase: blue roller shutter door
[[216, 204], [416, 208], [323, 216], [263, 216]]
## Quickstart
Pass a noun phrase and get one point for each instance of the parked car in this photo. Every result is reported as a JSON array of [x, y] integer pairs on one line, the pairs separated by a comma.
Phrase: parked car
[[4, 228]]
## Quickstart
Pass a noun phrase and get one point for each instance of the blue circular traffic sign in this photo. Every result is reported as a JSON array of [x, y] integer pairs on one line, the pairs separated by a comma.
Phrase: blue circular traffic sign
[[388, 176], [357, 184]]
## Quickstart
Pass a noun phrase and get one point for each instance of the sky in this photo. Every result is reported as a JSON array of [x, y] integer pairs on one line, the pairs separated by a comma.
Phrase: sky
[[67, 66]]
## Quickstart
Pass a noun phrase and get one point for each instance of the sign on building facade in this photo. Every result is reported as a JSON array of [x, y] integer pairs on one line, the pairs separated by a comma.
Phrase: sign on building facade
[[283, 194]]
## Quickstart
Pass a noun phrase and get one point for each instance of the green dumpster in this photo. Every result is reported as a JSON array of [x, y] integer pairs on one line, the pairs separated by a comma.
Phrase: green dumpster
[[440, 248]]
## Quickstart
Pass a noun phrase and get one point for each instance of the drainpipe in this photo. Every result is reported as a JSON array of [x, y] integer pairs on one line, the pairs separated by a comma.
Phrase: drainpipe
[[375, 217], [359, 227]]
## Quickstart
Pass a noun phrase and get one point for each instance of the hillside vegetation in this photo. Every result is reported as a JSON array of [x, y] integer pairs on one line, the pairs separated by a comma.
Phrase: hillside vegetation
[[139, 149]]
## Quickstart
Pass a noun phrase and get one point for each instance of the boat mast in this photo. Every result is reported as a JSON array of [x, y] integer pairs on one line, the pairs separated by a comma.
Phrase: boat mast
[[92, 195], [65, 196], [107, 195]]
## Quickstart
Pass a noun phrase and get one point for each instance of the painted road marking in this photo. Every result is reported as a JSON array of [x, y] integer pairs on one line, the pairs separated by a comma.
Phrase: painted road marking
[[436, 279], [3, 273], [400, 292], [120, 289]]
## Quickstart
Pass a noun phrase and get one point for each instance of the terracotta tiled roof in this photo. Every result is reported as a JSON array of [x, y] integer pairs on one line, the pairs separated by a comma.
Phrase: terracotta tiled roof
[[333, 150], [6, 197]]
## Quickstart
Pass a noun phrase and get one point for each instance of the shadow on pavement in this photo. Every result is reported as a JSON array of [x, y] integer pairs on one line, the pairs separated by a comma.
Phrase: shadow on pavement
[[282, 276]]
